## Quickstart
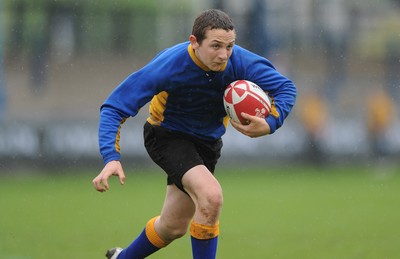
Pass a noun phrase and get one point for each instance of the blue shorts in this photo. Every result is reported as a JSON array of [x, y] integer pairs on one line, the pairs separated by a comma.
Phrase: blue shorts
[[176, 152]]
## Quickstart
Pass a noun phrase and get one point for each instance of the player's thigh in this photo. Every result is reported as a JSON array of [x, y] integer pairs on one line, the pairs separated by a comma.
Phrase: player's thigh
[[202, 186], [175, 153]]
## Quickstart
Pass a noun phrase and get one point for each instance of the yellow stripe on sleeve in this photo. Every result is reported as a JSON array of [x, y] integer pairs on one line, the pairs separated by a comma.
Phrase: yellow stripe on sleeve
[[157, 108], [118, 137], [274, 112]]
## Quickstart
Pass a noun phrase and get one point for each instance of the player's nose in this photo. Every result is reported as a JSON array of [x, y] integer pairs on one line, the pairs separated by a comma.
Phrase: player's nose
[[223, 55]]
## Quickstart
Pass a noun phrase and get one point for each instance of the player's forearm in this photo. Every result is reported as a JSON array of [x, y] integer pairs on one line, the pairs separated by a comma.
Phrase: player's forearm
[[109, 133], [283, 101]]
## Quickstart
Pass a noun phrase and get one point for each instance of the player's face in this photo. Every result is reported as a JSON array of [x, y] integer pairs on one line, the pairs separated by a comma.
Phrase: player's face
[[215, 50]]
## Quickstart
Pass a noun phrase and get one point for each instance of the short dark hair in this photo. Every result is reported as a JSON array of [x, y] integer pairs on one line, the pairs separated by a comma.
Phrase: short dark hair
[[209, 20]]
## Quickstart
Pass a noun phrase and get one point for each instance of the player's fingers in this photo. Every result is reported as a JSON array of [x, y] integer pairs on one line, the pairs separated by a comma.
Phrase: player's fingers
[[245, 115], [249, 118], [121, 176], [105, 183], [122, 179], [120, 173], [239, 127], [235, 124], [97, 184]]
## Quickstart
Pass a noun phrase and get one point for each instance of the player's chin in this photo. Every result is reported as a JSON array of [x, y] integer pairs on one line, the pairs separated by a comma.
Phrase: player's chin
[[216, 67]]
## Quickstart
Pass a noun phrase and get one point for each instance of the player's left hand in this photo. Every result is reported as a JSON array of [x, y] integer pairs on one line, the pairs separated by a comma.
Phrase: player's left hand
[[100, 183], [256, 126]]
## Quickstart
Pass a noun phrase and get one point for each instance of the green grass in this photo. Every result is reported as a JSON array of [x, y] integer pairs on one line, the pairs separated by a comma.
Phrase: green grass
[[271, 213]]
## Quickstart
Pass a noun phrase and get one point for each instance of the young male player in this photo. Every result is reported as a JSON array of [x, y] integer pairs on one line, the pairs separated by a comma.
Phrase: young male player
[[184, 85]]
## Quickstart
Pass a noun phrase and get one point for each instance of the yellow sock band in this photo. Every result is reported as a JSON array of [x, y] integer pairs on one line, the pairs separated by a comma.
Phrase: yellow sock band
[[152, 235], [200, 231]]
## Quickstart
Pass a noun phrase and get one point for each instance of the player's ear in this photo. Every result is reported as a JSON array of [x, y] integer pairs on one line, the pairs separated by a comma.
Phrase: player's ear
[[193, 41]]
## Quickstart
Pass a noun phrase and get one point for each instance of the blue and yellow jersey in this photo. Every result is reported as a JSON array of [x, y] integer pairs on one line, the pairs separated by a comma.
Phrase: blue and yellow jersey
[[186, 96]]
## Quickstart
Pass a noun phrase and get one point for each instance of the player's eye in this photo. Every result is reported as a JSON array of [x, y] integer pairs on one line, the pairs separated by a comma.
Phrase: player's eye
[[216, 46]]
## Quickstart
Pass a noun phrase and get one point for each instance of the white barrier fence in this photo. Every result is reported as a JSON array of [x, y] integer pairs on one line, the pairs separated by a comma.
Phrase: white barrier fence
[[75, 141]]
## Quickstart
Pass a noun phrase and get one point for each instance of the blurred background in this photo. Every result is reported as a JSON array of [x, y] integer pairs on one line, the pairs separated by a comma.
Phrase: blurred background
[[59, 60]]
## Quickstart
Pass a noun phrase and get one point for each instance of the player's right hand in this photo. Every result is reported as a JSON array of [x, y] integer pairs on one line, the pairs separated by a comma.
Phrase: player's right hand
[[256, 127], [100, 183]]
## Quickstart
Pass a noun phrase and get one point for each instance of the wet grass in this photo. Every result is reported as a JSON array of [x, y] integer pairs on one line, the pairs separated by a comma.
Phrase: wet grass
[[349, 212]]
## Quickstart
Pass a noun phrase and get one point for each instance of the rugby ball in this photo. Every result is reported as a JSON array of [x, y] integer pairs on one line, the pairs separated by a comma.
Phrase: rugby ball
[[245, 96]]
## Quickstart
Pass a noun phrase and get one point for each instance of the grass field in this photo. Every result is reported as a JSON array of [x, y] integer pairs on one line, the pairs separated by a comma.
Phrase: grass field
[[277, 213]]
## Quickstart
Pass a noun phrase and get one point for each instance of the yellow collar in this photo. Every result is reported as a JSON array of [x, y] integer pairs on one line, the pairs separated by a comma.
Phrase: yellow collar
[[198, 62]]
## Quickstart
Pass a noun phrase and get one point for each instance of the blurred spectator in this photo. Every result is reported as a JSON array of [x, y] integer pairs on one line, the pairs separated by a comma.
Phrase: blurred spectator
[[313, 115], [380, 114]]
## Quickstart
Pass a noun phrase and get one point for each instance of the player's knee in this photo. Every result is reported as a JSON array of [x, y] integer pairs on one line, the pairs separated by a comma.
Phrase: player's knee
[[210, 205], [216, 200]]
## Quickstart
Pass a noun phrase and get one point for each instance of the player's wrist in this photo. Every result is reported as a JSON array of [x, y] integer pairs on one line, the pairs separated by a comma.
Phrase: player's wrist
[[111, 157], [272, 124]]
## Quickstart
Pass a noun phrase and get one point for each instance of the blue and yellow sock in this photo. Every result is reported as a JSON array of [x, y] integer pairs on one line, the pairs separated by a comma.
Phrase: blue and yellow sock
[[204, 240], [145, 244]]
